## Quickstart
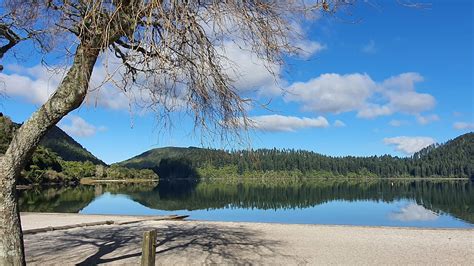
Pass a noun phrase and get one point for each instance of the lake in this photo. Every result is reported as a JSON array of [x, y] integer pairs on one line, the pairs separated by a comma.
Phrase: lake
[[428, 203]]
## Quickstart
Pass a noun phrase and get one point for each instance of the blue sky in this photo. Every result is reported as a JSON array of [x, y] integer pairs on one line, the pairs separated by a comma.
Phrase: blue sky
[[386, 80]]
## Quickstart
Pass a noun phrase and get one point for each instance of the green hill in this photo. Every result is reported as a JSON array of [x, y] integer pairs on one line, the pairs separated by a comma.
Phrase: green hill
[[67, 148], [152, 158], [451, 159], [60, 159], [55, 140]]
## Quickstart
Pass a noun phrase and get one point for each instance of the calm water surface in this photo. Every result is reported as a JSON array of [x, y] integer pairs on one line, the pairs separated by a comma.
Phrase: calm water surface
[[348, 202]]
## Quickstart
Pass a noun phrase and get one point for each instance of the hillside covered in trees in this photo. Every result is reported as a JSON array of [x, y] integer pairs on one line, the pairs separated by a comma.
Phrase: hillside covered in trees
[[59, 159], [55, 140], [451, 159]]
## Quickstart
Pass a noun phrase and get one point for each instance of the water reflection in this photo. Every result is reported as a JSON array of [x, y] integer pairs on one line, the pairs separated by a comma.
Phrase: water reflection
[[414, 212], [373, 202]]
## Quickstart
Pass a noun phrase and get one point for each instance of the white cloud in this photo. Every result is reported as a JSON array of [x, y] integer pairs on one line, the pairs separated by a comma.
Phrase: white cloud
[[404, 81], [286, 123], [78, 127], [332, 92], [409, 145], [34, 84], [369, 48], [413, 212], [339, 123], [424, 120], [37, 83], [251, 73], [335, 93], [373, 110], [410, 102], [308, 48], [463, 125]]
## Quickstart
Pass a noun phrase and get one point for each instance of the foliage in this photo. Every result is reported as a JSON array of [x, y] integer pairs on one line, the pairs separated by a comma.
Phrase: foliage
[[66, 147], [6, 133], [79, 169], [55, 140], [452, 159], [119, 172], [61, 159]]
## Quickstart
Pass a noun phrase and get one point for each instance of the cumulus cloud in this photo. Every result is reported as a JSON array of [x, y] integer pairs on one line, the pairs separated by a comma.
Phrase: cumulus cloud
[[413, 212], [339, 123], [249, 72], [404, 81], [335, 93], [410, 102], [286, 123], [369, 48], [78, 127], [409, 145], [252, 73], [463, 125], [332, 92], [36, 84], [424, 120], [373, 110]]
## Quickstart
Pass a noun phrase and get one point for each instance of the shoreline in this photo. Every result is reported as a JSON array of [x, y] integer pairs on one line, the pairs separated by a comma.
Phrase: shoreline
[[91, 181], [118, 218], [205, 242]]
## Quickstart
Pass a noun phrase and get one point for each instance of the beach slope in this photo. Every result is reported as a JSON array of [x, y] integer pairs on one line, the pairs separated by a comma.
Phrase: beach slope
[[201, 242]]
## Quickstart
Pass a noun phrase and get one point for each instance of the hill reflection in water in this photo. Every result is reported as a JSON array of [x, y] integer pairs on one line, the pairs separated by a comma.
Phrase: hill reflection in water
[[371, 202]]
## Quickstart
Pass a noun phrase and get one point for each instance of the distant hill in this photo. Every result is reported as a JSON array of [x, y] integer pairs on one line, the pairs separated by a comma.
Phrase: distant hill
[[152, 158], [454, 158], [55, 140]]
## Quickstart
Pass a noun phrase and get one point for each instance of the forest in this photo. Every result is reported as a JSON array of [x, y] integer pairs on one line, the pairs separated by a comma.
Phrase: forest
[[60, 158], [451, 159]]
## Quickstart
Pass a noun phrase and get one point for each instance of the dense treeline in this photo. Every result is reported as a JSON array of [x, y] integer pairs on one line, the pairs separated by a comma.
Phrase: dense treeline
[[452, 159], [47, 167]]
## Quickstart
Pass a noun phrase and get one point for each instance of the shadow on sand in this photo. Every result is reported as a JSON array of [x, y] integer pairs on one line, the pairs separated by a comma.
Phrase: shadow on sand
[[178, 243]]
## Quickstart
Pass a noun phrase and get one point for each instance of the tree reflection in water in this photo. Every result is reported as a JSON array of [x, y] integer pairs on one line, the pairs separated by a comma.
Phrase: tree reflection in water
[[452, 197]]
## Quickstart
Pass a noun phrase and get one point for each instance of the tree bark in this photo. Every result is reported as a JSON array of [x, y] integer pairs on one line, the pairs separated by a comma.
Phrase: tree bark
[[69, 96]]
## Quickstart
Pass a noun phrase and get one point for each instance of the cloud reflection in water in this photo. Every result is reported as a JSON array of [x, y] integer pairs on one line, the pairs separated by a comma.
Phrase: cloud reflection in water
[[413, 212]]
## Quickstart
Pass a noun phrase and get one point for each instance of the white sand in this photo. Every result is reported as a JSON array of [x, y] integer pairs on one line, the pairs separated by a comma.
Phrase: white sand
[[193, 242]]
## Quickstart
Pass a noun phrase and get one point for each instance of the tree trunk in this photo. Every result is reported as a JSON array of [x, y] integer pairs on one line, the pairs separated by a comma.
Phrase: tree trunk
[[11, 237], [69, 96]]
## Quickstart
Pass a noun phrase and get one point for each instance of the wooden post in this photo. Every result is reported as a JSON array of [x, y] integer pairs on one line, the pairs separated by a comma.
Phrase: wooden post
[[149, 248]]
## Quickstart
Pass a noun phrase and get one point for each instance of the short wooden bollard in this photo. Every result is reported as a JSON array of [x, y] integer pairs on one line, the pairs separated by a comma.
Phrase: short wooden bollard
[[149, 248]]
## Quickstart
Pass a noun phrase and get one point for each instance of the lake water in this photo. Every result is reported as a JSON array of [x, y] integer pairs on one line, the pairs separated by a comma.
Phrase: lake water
[[342, 202]]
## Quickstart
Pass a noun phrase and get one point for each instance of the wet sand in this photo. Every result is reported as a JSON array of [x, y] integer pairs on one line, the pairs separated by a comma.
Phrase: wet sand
[[202, 242]]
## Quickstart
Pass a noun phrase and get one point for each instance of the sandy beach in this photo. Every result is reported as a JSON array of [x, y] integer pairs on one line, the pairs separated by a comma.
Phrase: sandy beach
[[202, 242]]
